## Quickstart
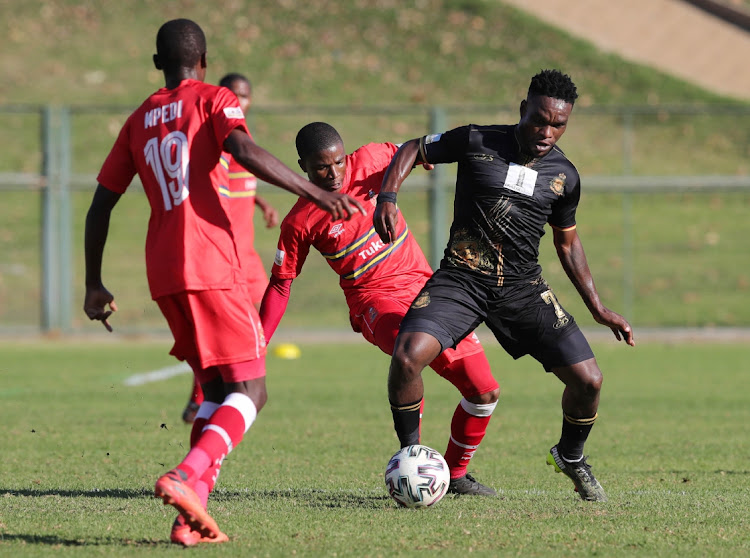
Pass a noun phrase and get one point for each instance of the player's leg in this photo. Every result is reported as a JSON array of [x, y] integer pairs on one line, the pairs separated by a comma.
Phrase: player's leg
[[440, 315], [467, 368], [413, 351], [233, 345], [194, 402], [580, 404], [532, 321], [172, 487]]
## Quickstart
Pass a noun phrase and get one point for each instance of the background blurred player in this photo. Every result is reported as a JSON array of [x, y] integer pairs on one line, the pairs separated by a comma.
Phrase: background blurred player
[[511, 181], [174, 141], [242, 191], [379, 281]]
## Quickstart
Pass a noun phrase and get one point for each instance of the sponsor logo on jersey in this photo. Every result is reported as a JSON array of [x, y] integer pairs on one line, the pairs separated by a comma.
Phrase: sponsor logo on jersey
[[557, 184], [372, 313], [432, 138], [374, 247], [234, 113], [520, 179], [336, 230], [279, 259], [422, 300], [483, 157]]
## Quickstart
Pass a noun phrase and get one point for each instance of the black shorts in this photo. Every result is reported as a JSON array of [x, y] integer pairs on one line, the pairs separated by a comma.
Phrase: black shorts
[[525, 318]]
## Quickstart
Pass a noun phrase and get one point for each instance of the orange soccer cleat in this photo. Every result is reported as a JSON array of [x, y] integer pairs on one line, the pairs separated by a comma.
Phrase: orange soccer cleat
[[184, 535], [174, 491]]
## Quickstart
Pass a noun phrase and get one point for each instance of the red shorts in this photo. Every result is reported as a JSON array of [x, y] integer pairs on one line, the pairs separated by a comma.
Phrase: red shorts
[[378, 319], [255, 275], [216, 327]]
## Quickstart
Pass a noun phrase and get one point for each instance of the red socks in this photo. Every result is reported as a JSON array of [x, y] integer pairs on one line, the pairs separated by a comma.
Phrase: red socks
[[468, 427]]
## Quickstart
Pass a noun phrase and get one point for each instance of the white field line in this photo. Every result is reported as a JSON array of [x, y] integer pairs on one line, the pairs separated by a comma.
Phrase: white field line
[[158, 375]]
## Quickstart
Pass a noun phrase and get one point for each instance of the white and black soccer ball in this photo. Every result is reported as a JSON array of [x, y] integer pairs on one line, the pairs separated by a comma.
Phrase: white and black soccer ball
[[417, 477]]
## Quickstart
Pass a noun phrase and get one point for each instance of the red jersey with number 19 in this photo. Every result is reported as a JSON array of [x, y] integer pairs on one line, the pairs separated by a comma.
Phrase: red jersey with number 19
[[173, 141], [352, 248]]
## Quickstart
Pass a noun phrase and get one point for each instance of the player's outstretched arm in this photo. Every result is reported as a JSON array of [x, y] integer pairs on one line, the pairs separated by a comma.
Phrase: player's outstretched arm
[[573, 259], [267, 167], [385, 217], [274, 304], [95, 237]]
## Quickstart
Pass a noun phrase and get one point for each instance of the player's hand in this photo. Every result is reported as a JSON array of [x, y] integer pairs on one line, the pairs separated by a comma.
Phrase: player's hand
[[619, 325], [385, 219], [95, 303], [271, 216], [340, 206]]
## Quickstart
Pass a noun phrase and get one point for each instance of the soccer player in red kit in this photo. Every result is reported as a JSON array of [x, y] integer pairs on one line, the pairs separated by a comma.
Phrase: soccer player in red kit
[[379, 281], [241, 189], [173, 142]]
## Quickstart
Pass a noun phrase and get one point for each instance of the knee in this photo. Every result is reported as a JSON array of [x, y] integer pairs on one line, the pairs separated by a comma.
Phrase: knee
[[406, 363], [488, 398], [590, 381]]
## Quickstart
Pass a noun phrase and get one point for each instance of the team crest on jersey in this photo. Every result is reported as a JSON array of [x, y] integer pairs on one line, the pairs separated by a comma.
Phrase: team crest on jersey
[[279, 259], [372, 196], [422, 300], [336, 230], [557, 184]]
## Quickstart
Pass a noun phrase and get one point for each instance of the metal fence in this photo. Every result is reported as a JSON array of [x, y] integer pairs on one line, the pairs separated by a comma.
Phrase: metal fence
[[632, 159]]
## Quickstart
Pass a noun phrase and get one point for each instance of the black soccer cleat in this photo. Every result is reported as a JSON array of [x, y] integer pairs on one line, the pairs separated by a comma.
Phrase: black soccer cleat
[[579, 472], [470, 486]]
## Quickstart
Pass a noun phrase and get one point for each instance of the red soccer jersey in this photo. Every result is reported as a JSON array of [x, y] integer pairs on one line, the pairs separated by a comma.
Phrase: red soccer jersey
[[352, 248], [241, 190], [173, 141]]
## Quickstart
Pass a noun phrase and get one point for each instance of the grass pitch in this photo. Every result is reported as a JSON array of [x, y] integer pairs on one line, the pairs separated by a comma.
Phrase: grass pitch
[[82, 450]]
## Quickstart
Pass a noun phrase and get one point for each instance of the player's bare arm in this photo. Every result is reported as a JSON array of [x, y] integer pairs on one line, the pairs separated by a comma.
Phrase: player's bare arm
[[385, 217], [97, 227], [573, 259], [270, 169]]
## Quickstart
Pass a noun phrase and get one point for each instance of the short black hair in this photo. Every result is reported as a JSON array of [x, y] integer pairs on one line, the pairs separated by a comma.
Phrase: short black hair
[[316, 137], [230, 78], [554, 84], [180, 43]]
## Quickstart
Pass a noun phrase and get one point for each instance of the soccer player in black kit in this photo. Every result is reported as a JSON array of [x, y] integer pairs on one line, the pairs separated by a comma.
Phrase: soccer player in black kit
[[511, 181]]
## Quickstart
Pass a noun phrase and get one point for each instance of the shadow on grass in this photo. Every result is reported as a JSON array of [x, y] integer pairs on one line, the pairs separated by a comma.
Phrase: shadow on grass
[[314, 498], [53, 540], [96, 493]]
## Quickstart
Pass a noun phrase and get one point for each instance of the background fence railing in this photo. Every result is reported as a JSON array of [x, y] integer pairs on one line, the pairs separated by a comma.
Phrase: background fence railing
[[663, 218]]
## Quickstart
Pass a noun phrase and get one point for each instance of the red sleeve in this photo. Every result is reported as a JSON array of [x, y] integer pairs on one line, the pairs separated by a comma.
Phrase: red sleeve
[[274, 305], [119, 168], [226, 115], [294, 245]]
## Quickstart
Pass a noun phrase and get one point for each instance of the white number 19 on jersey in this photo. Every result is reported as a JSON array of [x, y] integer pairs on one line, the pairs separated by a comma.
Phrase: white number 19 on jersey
[[170, 162]]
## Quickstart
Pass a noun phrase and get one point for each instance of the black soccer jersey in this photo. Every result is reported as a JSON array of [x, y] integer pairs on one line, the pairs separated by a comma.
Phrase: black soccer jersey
[[503, 200]]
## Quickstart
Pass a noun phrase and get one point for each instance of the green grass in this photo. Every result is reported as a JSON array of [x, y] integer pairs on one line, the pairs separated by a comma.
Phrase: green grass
[[81, 452]]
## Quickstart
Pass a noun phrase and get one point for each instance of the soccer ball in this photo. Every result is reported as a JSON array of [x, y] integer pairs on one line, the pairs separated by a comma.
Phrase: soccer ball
[[417, 477]]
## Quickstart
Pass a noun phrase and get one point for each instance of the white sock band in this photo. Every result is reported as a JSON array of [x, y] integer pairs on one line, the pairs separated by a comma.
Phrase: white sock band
[[207, 409], [478, 409], [244, 405]]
